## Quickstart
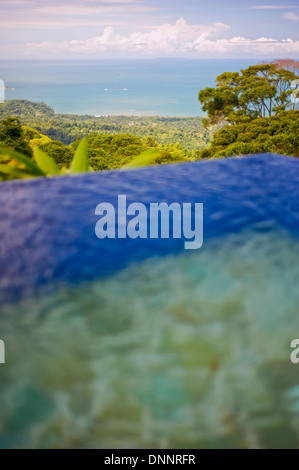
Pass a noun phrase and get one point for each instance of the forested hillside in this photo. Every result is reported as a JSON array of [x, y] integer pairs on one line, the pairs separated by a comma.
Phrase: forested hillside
[[189, 132], [258, 105], [103, 151], [250, 111]]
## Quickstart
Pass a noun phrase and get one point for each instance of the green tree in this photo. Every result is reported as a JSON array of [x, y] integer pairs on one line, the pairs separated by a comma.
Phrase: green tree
[[278, 134], [12, 136], [256, 92], [107, 151], [149, 141], [59, 152]]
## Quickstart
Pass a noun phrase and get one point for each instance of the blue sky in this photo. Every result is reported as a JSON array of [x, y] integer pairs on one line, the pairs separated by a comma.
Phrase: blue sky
[[149, 28]]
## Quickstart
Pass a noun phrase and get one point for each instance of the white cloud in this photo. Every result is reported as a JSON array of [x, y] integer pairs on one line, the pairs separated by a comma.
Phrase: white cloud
[[70, 9], [291, 16], [56, 14], [273, 7], [175, 39], [165, 38]]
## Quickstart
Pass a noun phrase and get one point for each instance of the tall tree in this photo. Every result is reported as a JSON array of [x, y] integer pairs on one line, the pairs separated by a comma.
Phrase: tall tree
[[258, 91]]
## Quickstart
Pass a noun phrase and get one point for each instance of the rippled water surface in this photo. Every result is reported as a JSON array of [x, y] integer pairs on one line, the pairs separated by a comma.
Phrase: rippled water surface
[[167, 348], [184, 351]]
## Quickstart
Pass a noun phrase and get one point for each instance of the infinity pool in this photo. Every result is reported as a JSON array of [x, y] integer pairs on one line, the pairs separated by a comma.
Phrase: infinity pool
[[140, 343]]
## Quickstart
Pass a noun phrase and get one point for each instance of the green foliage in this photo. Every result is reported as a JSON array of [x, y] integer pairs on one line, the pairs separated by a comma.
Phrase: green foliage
[[34, 138], [149, 141], [21, 166], [278, 134], [172, 153], [12, 136], [66, 128], [80, 161], [116, 151], [45, 163], [59, 152], [98, 151], [25, 108], [144, 159], [256, 92], [112, 151], [30, 134], [247, 100], [159, 155]]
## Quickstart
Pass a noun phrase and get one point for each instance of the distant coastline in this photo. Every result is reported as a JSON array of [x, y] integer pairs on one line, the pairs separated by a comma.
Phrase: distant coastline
[[122, 87]]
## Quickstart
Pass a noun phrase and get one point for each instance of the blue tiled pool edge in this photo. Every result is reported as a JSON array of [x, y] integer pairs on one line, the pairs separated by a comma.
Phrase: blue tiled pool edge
[[47, 225]]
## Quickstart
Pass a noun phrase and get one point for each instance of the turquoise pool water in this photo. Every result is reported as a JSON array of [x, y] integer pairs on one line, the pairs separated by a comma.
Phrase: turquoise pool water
[[172, 348]]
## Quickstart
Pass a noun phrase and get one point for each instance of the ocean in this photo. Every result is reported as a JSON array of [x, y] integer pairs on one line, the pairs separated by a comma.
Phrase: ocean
[[163, 87]]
